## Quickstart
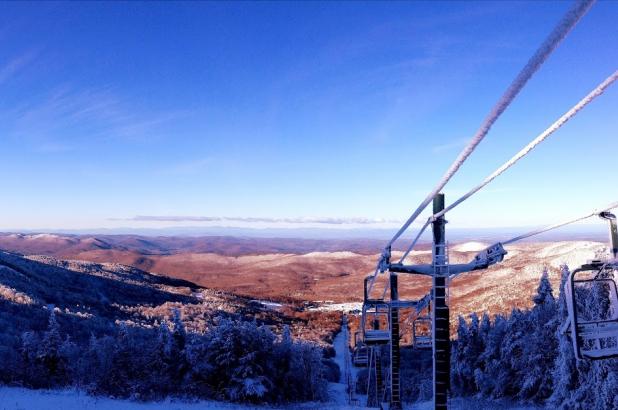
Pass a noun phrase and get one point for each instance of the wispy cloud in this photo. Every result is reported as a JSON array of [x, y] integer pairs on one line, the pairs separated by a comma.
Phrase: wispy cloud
[[66, 117], [15, 65], [459, 143], [298, 220], [189, 167]]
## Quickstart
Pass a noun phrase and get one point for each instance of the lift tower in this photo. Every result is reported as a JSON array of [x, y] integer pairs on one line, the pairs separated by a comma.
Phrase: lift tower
[[441, 272], [395, 380], [440, 316]]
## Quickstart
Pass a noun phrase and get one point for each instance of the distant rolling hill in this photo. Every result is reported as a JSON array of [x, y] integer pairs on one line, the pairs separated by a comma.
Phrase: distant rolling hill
[[63, 245], [299, 270], [92, 298]]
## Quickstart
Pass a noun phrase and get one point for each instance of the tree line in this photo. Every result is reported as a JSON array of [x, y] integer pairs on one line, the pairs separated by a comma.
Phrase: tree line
[[234, 360]]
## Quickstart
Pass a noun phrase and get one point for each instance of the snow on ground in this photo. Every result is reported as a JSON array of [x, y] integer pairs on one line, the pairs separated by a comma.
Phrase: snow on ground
[[338, 307], [330, 255], [339, 343], [13, 398], [338, 391], [470, 247], [473, 404], [268, 304]]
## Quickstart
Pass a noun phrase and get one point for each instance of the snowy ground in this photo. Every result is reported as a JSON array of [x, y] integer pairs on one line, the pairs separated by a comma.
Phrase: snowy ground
[[338, 307], [337, 391], [12, 398], [473, 404]]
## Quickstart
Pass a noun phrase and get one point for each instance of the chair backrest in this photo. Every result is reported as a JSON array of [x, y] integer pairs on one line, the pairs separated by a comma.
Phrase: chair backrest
[[421, 332], [592, 303], [375, 322]]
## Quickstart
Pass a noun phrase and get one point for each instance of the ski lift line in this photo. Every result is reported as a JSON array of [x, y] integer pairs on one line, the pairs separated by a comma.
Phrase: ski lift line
[[569, 20], [559, 225], [523, 152], [413, 244], [540, 138], [386, 288], [566, 24]]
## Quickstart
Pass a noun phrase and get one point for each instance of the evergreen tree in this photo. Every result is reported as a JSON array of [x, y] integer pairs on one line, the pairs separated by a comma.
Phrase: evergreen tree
[[459, 372], [160, 382], [52, 363], [513, 366], [177, 361], [487, 378], [564, 371], [540, 351], [28, 371], [201, 371]]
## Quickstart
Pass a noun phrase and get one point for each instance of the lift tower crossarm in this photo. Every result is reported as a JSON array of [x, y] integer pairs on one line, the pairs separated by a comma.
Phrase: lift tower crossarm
[[482, 260]]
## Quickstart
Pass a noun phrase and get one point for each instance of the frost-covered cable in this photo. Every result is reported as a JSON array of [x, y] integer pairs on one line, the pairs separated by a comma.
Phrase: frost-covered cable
[[523, 152], [549, 131], [559, 225], [566, 24], [413, 244]]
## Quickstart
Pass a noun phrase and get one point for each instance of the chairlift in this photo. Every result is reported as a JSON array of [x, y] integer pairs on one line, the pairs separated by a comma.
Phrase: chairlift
[[592, 303], [360, 353], [375, 323], [421, 333]]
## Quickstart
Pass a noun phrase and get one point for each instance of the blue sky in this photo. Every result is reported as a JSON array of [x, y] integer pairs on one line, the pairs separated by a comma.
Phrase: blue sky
[[295, 111]]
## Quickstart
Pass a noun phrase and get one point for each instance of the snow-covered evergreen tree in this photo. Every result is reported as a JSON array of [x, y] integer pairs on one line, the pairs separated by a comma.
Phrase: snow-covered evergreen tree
[[487, 378], [540, 348], [177, 361], [513, 365], [466, 356], [53, 364], [28, 370], [201, 370], [564, 371]]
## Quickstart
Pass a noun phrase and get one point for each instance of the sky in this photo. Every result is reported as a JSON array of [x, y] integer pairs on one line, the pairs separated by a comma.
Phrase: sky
[[282, 114]]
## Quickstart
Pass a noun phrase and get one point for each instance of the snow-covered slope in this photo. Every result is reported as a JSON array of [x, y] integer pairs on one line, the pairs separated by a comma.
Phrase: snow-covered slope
[[12, 398]]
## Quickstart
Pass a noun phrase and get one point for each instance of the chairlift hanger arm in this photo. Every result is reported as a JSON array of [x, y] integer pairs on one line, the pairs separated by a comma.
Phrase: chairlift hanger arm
[[482, 260], [412, 269], [613, 231], [417, 305]]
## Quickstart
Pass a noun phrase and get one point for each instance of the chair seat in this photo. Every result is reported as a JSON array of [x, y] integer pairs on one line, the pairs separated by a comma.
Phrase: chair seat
[[377, 336], [603, 353], [596, 330]]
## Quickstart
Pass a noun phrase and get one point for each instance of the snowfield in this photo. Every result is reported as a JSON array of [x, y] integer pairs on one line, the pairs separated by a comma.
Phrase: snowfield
[[470, 247], [13, 398], [338, 307]]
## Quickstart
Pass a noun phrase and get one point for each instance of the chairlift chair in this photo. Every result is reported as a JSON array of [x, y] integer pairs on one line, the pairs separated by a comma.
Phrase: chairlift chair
[[421, 333], [360, 357], [360, 353], [375, 323], [592, 303]]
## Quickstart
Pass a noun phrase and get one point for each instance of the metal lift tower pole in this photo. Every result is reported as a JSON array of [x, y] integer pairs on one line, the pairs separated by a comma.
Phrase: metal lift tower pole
[[440, 316], [395, 399], [441, 272]]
